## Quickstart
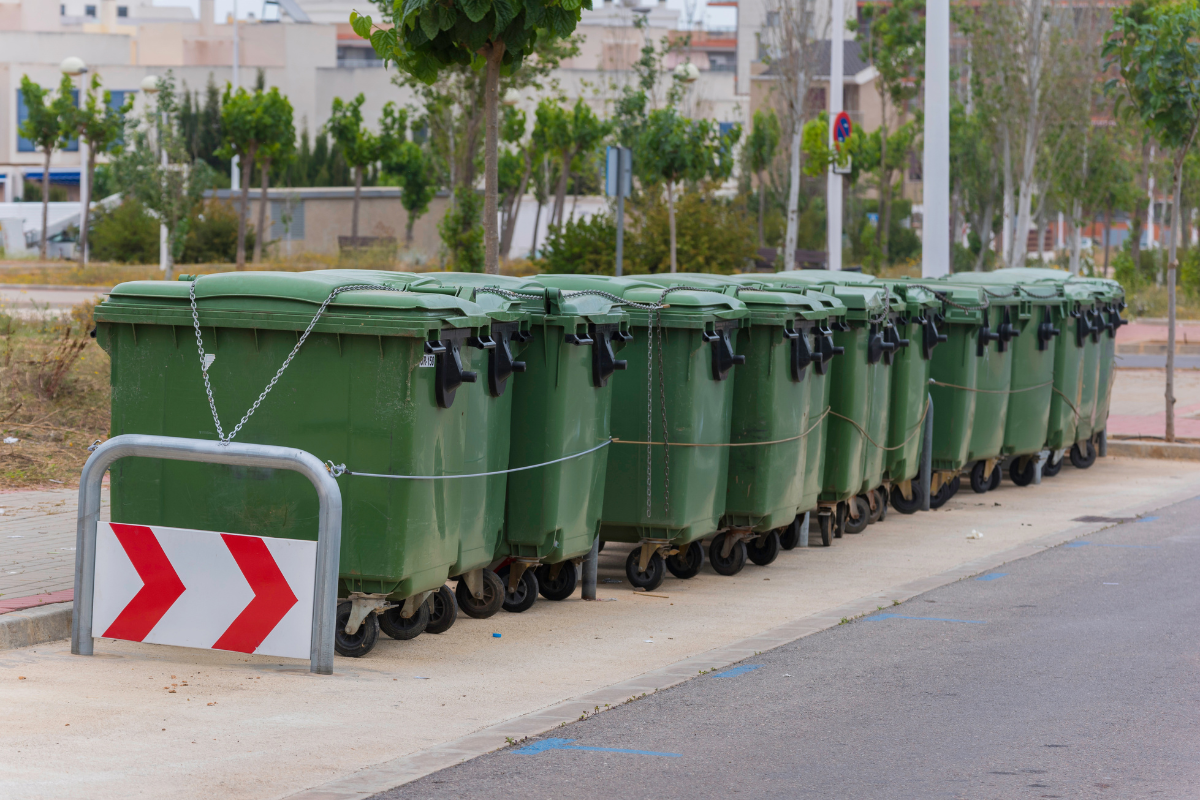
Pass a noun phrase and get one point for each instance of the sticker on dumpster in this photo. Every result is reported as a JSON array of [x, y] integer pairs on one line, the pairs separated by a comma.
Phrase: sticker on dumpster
[[428, 360], [219, 591]]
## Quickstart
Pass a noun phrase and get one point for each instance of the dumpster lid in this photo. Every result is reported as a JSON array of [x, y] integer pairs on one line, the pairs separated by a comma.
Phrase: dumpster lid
[[767, 306], [687, 307], [912, 297], [586, 308]]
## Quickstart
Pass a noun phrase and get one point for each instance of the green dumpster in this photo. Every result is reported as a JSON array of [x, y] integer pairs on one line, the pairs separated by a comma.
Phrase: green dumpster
[[563, 410], [378, 385], [673, 404]]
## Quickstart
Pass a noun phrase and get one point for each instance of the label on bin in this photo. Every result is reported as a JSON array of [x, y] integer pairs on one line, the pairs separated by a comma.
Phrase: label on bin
[[428, 360], [218, 591]]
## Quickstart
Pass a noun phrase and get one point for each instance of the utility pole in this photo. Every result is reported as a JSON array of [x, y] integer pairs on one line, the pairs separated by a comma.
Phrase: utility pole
[[235, 173], [935, 245], [833, 181]]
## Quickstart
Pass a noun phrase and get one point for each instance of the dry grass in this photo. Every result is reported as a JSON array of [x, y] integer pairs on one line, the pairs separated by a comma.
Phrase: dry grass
[[1151, 302], [54, 397]]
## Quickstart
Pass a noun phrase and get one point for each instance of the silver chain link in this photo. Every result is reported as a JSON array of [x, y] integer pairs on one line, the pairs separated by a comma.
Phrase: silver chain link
[[212, 404]]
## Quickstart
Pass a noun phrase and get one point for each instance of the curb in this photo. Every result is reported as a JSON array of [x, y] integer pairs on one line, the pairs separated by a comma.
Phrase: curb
[[32, 626], [1164, 450]]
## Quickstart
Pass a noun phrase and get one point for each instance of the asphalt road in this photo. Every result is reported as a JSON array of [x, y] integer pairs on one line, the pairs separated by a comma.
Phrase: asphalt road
[[1070, 674]]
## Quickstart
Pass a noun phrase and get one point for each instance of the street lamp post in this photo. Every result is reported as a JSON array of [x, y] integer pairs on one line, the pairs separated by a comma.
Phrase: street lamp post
[[235, 173], [935, 244], [833, 190], [150, 87], [74, 67]]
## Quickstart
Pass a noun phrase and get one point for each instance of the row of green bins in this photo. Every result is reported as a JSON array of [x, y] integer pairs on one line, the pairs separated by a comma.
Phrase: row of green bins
[[564, 402], [371, 386], [672, 411]]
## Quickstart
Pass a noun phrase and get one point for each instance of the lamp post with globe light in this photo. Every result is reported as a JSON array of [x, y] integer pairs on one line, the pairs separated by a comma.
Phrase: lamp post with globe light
[[149, 86]]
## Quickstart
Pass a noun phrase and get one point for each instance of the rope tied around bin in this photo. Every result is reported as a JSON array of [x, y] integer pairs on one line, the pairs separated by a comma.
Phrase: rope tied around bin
[[1067, 400], [205, 362], [867, 436], [991, 391], [944, 297], [811, 428], [338, 470]]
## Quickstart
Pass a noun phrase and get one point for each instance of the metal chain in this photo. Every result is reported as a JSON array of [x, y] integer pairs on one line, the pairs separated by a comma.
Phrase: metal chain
[[212, 404], [945, 298]]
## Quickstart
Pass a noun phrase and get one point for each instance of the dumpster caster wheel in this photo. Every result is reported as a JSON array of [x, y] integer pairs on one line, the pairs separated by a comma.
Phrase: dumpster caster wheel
[[908, 506], [733, 561], [443, 610], [361, 641], [600, 548], [883, 504], [686, 563], [790, 536], [652, 578], [559, 587], [877, 514], [1078, 458], [397, 627], [943, 494], [864, 515], [764, 549], [1050, 469], [981, 481], [996, 473], [843, 516], [481, 607], [1022, 477], [825, 525], [956, 484], [523, 597]]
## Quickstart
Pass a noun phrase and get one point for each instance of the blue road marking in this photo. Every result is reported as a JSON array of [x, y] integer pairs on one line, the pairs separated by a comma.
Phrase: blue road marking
[[992, 576], [730, 673], [1105, 544], [565, 744], [1147, 519], [878, 617]]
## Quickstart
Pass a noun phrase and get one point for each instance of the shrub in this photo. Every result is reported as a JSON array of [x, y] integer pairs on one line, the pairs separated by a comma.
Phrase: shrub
[[585, 246], [126, 234], [212, 235], [462, 231], [712, 234]]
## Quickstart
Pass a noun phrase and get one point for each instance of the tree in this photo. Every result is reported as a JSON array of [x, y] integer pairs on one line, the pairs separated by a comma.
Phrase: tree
[[760, 149], [242, 123], [675, 148], [359, 146], [276, 146], [490, 35], [409, 165], [100, 126], [44, 126], [171, 189], [1155, 50], [515, 169]]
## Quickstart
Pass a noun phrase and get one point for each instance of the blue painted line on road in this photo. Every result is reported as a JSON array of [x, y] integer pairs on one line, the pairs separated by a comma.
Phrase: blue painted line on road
[[1105, 544], [1147, 519], [994, 576], [565, 744], [878, 617], [742, 670]]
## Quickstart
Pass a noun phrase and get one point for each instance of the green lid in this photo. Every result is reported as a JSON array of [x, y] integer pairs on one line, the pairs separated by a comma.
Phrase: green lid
[[766, 307], [554, 308], [288, 301], [910, 298], [685, 308]]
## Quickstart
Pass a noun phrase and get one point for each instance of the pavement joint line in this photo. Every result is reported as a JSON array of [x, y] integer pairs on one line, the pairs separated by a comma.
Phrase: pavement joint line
[[407, 768]]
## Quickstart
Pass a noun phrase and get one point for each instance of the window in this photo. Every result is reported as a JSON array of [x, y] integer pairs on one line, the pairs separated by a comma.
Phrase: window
[[62, 10], [293, 208], [89, 11], [122, 11], [772, 19]]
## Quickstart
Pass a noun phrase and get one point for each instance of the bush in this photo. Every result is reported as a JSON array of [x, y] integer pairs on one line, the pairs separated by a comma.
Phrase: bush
[[126, 234], [212, 235], [585, 246], [712, 234], [462, 231]]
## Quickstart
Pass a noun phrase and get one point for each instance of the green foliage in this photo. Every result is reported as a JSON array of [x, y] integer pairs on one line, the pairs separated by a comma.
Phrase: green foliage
[[819, 155], [714, 235], [358, 145], [412, 170], [893, 38], [277, 130], [675, 148], [126, 234], [584, 246], [212, 235], [763, 140], [200, 126], [44, 122], [462, 232], [97, 122]]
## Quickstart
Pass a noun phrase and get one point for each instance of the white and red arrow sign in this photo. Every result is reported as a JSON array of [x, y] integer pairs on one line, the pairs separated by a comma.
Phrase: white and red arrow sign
[[220, 591]]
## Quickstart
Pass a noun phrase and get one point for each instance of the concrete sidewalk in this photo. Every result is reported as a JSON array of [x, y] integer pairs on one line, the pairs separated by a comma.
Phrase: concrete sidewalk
[[1138, 404], [150, 721], [37, 544]]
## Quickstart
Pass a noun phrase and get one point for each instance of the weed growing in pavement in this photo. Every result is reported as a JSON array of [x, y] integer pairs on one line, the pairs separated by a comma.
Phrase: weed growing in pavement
[[895, 602], [844, 621]]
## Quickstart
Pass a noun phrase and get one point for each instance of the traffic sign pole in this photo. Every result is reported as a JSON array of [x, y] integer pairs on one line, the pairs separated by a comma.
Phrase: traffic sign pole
[[833, 200]]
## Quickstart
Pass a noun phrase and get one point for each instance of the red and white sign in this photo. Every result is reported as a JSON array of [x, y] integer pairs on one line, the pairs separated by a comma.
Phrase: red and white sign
[[220, 591]]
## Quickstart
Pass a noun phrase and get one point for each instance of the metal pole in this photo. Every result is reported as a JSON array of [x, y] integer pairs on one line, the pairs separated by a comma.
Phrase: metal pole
[[329, 525], [590, 563], [803, 542], [833, 181], [927, 456], [620, 234], [235, 175], [935, 245]]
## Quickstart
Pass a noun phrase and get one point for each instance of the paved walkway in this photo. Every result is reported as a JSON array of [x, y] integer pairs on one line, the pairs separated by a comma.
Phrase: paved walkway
[[29, 301], [37, 546], [1138, 405]]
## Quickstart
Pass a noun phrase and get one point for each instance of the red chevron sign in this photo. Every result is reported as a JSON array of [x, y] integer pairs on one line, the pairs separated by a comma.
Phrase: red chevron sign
[[220, 591]]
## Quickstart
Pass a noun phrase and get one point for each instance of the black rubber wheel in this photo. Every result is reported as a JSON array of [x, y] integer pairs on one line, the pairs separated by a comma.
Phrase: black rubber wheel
[[1022, 477], [523, 597], [995, 482], [864, 515], [727, 565], [877, 514], [908, 506], [944, 493], [562, 586], [883, 504], [687, 564], [359, 644], [1050, 469], [483, 607], [443, 610], [397, 627], [981, 482], [789, 536], [956, 484], [764, 549], [825, 524], [842, 515], [1078, 458], [652, 578]]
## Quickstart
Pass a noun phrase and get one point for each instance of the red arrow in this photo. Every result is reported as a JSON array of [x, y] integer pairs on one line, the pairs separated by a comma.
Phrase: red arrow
[[161, 586], [273, 598]]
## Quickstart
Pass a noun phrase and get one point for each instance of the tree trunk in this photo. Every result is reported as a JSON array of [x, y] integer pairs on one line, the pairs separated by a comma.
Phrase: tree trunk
[[1006, 228], [1172, 269], [1041, 237], [762, 210], [560, 194], [510, 225], [986, 237], [354, 212], [1076, 213], [261, 233], [793, 217], [537, 220], [87, 206], [1135, 227], [45, 202], [491, 161], [1032, 130], [408, 230], [885, 183], [671, 222], [1107, 235], [247, 159]]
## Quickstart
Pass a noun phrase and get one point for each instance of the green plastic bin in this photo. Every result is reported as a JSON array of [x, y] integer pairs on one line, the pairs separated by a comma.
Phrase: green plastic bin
[[678, 496], [377, 386]]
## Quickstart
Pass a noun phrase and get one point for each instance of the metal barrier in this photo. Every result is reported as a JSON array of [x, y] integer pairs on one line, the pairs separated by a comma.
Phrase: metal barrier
[[329, 537]]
